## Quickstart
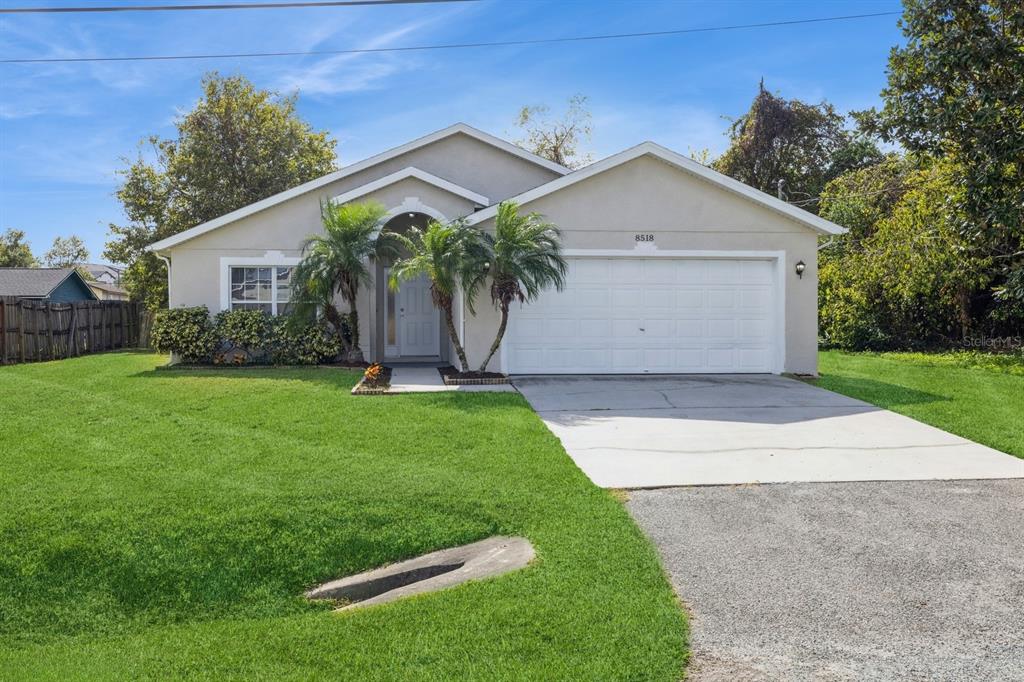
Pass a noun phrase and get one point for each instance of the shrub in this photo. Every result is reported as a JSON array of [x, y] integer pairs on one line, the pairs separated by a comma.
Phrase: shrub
[[308, 344], [185, 331], [244, 336]]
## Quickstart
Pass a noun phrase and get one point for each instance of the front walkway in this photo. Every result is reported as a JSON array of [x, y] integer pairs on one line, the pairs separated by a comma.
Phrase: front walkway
[[650, 431], [420, 379]]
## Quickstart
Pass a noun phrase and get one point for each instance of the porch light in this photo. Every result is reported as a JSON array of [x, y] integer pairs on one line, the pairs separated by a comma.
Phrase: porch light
[[412, 215], [800, 267]]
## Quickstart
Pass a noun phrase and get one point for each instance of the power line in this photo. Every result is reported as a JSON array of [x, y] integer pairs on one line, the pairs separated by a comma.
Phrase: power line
[[225, 6], [450, 46]]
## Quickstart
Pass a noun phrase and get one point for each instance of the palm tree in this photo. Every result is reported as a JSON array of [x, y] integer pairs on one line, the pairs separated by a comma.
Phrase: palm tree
[[525, 259], [451, 255], [338, 262]]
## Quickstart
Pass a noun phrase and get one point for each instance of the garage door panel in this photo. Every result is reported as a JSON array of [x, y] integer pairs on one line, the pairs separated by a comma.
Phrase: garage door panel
[[690, 299], [635, 315]]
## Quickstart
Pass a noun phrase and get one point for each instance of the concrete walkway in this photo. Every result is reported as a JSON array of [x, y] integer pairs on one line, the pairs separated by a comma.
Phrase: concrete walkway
[[419, 379], [638, 432]]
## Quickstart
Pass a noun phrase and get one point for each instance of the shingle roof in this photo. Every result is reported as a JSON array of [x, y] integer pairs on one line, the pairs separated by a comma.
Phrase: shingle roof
[[107, 287], [31, 282]]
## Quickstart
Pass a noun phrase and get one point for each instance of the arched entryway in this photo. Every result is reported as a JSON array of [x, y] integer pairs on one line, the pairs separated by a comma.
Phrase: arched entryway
[[410, 325]]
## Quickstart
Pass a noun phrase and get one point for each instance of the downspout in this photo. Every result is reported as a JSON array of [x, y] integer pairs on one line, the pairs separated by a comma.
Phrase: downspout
[[167, 262]]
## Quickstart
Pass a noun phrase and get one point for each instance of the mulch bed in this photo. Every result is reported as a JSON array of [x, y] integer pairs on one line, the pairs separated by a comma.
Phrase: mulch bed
[[453, 377], [382, 384]]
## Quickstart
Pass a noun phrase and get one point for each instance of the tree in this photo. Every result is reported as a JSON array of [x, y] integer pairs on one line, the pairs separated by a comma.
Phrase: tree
[[558, 139], [451, 255], [15, 251], [955, 90], [336, 262], [237, 146], [525, 258], [802, 145], [904, 276], [66, 252]]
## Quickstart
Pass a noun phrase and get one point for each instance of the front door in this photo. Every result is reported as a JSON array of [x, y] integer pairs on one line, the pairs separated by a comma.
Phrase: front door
[[418, 332]]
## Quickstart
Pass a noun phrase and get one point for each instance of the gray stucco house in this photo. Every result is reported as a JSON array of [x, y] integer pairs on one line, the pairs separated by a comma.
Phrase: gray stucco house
[[54, 285], [673, 268]]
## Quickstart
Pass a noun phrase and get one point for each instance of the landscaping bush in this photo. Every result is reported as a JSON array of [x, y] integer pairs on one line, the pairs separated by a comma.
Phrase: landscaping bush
[[187, 332], [241, 337], [309, 344]]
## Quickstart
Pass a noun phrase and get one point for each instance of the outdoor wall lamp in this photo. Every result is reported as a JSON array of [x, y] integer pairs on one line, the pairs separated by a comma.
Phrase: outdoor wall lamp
[[800, 267]]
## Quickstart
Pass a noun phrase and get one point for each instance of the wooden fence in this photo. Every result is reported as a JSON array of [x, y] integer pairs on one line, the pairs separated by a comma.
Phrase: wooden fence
[[31, 331]]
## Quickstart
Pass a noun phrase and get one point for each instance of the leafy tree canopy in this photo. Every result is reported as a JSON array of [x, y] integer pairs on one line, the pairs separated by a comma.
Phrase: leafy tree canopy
[[557, 139], [66, 252], [803, 145], [237, 146], [957, 89], [15, 251]]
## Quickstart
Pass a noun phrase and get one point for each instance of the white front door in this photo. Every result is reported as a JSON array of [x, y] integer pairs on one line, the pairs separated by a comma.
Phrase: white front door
[[418, 332]]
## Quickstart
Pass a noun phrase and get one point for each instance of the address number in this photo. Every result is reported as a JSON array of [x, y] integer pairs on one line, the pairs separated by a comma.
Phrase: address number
[[643, 237]]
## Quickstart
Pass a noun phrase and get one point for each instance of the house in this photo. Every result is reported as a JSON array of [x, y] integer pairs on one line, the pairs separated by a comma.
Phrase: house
[[108, 292], [673, 268], [53, 285], [106, 274]]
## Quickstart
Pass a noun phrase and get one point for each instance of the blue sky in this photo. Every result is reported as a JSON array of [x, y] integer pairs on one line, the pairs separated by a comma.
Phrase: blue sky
[[65, 128]]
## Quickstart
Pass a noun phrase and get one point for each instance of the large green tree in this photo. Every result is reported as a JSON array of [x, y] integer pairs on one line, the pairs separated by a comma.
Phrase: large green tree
[[904, 275], [238, 145], [956, 89], [66, 252], [801, 145], [15, 252]]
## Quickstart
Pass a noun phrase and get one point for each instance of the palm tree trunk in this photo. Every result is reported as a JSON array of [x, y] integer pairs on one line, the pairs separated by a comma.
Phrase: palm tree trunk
[[497, 339], [446, 306], [355, 353], [334, 317]]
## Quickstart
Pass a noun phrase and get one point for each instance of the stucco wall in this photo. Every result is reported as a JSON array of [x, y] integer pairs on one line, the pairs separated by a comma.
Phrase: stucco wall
[[685, 213]]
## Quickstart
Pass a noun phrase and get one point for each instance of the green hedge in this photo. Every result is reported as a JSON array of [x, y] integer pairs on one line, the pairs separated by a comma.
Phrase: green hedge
[[242, 337]]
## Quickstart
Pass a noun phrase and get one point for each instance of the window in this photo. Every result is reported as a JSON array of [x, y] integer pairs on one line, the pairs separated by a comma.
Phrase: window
[[261, 288]]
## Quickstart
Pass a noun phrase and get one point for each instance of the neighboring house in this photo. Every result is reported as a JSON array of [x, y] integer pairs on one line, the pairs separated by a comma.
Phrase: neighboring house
[[55, 285], [108, 292], [107, 274], [673, 268]]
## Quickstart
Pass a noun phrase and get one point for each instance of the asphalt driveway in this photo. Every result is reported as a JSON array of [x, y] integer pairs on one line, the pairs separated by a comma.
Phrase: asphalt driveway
[[846, 581], [651, 431]]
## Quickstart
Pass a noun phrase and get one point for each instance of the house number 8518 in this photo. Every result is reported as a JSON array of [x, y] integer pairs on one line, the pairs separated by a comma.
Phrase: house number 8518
[[643, 237]]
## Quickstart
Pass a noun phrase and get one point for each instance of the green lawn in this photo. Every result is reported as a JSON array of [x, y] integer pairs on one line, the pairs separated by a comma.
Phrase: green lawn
[[163, 524], [974, 395]]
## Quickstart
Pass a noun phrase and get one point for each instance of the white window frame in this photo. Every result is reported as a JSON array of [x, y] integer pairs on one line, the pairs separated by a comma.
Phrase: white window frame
[[271, 259]]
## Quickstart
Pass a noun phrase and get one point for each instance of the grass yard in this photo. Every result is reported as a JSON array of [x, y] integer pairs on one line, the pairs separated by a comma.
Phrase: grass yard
[[164, 524], [975, 395]]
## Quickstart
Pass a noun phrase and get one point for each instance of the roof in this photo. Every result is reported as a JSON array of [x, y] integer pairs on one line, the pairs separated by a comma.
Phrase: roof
[[34, 282], [103, 286], [95, 269], [411, 172], [458, 128], [684, 163]]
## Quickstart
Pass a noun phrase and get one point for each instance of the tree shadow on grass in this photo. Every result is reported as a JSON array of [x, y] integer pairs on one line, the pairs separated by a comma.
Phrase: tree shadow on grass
[[876, 392], [342, 377]]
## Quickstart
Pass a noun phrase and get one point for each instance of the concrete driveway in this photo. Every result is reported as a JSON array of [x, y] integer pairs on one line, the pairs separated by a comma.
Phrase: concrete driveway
[[650, 431], [909, 580]]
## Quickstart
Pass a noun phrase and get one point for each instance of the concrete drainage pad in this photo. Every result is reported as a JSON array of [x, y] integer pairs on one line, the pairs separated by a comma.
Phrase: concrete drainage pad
[[429, 573]]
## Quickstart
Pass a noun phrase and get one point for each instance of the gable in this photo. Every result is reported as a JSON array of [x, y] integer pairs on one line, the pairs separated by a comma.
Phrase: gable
[[648, 194], [667, 181], [462, 155]]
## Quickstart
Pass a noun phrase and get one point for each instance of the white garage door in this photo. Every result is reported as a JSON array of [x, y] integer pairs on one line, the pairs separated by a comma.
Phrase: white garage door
[[658, 315]]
